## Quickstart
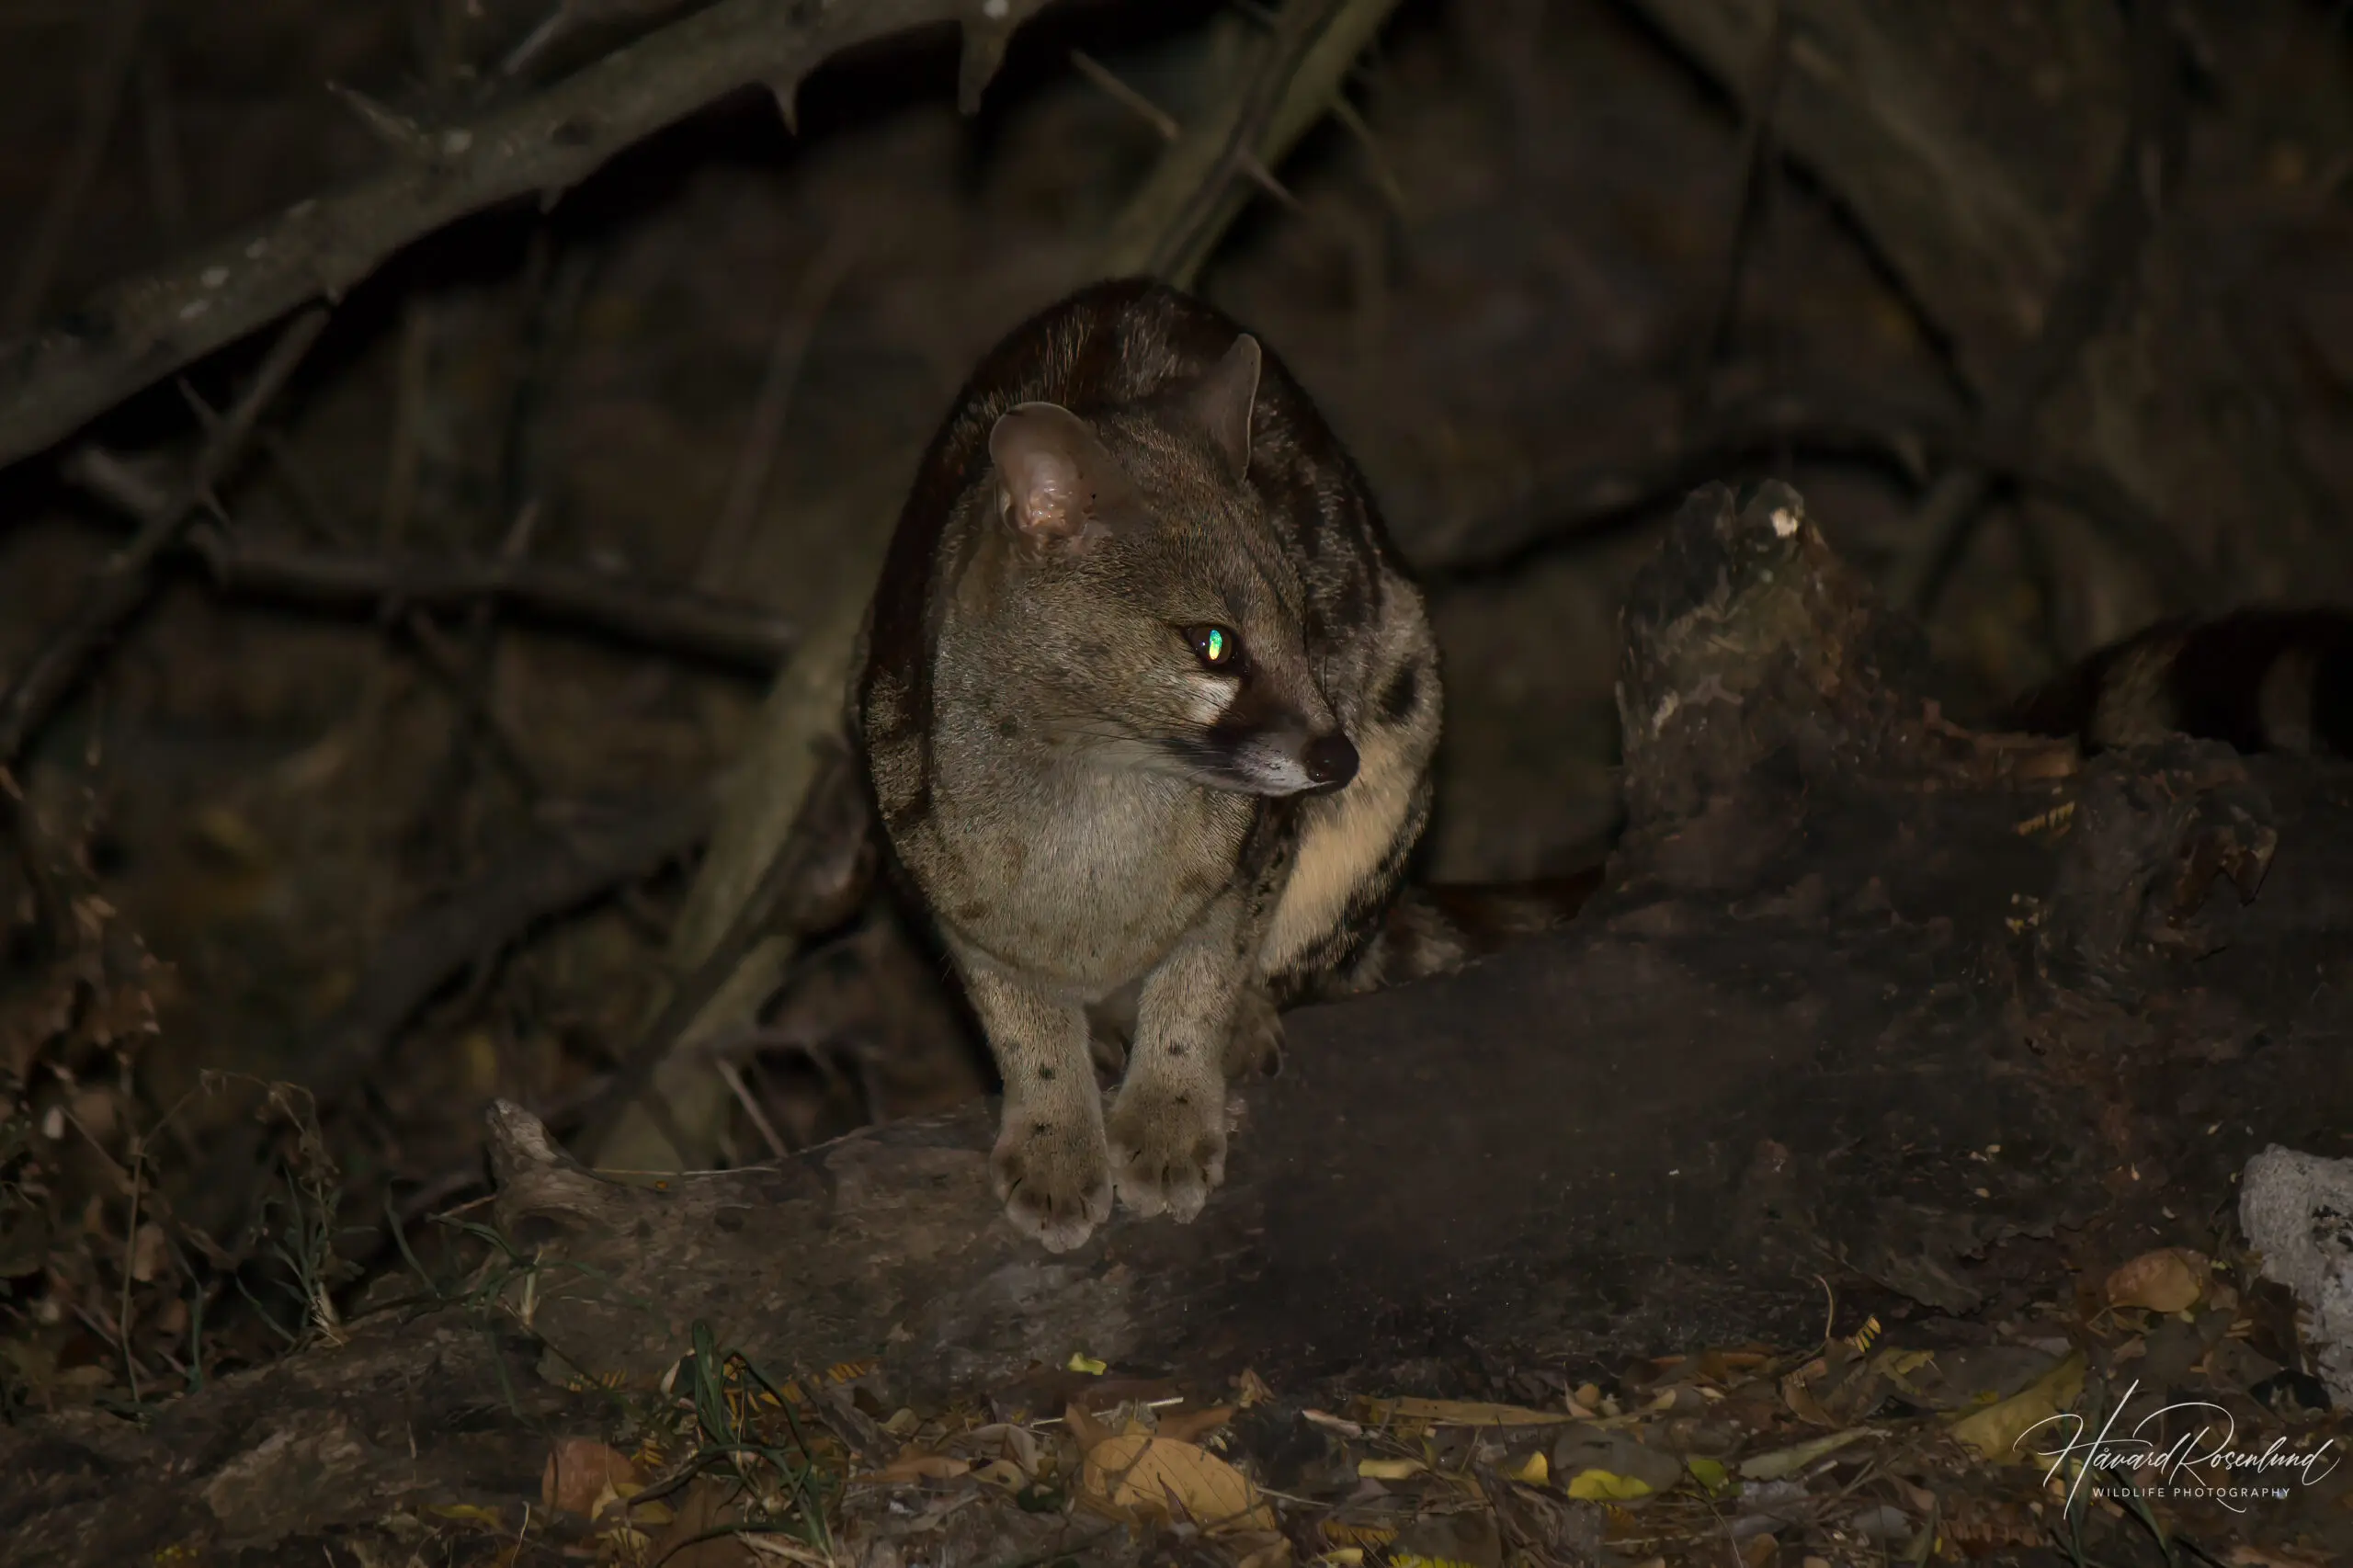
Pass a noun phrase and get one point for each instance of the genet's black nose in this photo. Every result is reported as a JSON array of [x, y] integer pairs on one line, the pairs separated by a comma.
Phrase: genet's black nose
[[1330, 761]]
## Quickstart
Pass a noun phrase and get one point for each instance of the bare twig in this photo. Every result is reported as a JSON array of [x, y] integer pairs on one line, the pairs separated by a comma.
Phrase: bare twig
[[1755, 161], [1163, 123], [117, 590], [1176, 220], [149, 327], [101, 105], [671, 620], [2099, 276], [747, 483], [1825, 423], [817, 872]]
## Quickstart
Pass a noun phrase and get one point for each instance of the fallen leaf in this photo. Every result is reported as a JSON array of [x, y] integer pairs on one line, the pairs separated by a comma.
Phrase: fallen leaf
[[1995, 1432], [1251, 1389], [1782, 1463], [683, 1544], [1188, 1425], [915, 1464], [469, 1513], [1709, 1474], [1332, 1423], [1087, 1432], [1533, 1469], [1157, 1477], [1603, 1486], [1260, 1549], [1389, 1470], [1082, 1362], [2169, 1279], [578, 1472]]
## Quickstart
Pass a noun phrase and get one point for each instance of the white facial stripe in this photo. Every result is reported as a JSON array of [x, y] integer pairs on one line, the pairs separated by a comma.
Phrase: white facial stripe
[[1207, 698], [1273, 769]]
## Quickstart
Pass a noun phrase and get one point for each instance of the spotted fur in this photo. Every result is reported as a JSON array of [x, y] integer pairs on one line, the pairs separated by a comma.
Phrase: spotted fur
[[1089, 812]]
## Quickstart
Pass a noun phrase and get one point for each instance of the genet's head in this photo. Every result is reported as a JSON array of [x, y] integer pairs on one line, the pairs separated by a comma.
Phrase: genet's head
[[1163, 618]]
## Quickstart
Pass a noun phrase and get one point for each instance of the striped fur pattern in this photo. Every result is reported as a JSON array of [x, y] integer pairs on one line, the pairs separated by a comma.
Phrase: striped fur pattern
[[2264, 680]]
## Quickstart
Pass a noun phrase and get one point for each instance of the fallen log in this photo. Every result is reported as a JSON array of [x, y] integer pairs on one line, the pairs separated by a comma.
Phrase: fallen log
[[1869, 1003]]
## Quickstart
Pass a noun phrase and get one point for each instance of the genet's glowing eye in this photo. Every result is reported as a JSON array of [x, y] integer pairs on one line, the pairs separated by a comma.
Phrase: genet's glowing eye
[[1217, 648]]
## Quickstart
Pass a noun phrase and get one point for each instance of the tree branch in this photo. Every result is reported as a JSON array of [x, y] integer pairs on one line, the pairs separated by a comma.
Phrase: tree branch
[[148, 327]]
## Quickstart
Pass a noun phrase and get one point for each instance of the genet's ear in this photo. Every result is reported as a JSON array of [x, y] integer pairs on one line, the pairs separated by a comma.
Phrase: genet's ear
[[1053, 477], [1223, 399]]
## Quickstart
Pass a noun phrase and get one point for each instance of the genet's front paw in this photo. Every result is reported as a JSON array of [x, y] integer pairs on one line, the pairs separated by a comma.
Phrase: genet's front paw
[[1168, 1147], [1051, 1169]]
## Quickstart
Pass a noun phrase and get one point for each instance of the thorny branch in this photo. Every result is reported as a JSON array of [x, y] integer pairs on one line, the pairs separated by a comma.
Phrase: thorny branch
[[674, 620], [117, 590], [1826, 422], [148, 327]]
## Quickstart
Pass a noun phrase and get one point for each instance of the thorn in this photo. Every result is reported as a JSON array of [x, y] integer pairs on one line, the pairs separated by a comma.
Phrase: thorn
[[787, 95], [1150, 113], [986, 37], [396, 130]]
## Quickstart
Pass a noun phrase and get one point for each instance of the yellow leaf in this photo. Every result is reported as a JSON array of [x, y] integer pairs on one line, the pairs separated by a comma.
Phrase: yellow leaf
[[1356, 1537], [1460, 1413], [1415, 1560], [1602, 1486], [1534, 1470], [1080, 1361], [1995, 1432], [2169, 1279], [469, 1513], [1711, 1474], [1157, 1476], [1389, 1470], [1343, 1556]]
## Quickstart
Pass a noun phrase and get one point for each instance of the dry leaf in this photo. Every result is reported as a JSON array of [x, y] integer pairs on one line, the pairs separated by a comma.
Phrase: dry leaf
[[1533, 1470], [580, 1471], [1157, 1477], [1605, 1486], [2169, 1279], [915, 1464], [1251, 1389], [1188, 1425], [703, 1509], [1389, 1470], [1995, 1432], [1089, 1433], [1259, 1549]]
